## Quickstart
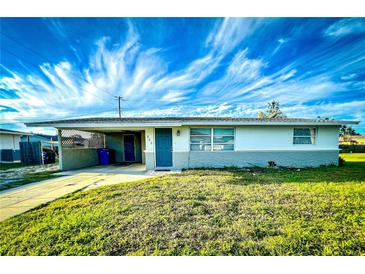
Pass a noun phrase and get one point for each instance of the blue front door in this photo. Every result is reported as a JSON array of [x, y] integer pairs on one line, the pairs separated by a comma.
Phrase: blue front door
[[163, 147], [129, 148]]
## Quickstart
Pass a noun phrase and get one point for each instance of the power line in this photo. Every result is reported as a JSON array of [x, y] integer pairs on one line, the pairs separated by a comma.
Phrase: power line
[[119, 98]]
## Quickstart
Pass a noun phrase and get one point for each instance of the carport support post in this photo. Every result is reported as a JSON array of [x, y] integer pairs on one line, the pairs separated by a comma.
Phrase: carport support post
[[59, 133]]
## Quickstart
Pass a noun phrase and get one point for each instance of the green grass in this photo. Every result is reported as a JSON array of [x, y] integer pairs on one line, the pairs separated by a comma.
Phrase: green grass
[[29, 178], [203, 212], [5, 166], [353, 157]]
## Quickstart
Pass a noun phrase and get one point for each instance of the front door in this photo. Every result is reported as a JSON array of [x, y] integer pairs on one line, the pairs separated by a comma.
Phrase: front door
[[129, 148], [163, 147]]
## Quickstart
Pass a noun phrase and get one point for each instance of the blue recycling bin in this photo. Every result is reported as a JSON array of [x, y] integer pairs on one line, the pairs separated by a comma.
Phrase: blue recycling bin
[[104, 156]]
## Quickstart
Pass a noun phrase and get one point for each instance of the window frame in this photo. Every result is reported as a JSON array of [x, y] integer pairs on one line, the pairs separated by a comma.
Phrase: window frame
[[199, 135], [212, 139], [306, 136]]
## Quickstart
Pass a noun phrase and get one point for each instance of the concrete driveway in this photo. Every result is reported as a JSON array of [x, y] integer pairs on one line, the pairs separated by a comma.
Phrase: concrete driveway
[[19, 200]]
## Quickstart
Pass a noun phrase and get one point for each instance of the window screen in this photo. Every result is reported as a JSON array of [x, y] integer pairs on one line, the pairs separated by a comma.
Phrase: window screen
[[223, 139], [200, 139], [212, 139], [304, 136]]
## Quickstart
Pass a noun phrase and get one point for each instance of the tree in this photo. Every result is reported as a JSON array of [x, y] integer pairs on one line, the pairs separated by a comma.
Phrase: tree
[[323, 118], [352, 131], [343, 130], [346, 131], [261, 115], [272, 111]]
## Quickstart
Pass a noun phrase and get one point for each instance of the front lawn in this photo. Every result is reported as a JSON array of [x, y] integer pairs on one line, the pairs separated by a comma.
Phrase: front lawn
[[203, 212], [15, 174]]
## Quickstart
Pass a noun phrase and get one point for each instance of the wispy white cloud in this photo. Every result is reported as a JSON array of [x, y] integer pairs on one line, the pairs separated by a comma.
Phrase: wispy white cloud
[[56, 27], [346, 26], [288, 75], [349, 76], [63, 87], [174, 96], [229, 33], [245, 81], [240, 72], [330, 110]]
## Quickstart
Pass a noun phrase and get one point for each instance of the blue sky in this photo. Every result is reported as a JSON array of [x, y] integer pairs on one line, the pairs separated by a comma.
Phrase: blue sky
[[68, 67]]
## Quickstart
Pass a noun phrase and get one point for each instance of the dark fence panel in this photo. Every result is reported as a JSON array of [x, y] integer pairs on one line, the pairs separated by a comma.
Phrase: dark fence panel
[[352, 148], [8, 155], [31, 153]]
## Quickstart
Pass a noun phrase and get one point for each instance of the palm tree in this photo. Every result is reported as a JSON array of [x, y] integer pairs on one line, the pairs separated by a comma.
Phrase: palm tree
[[344, 130], [346, 133], [272, 111]]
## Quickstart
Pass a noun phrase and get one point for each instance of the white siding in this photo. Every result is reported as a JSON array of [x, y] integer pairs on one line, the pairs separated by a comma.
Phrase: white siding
[[266, 138], [9, 141], [328, 137], [143, 146], [150, 139], [180, 143], [253, 145], [281, 138]]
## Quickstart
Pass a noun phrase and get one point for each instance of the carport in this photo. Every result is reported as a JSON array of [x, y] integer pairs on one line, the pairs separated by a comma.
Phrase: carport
[[79, 148]]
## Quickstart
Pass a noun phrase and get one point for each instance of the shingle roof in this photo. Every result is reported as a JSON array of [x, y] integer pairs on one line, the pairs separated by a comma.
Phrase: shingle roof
[[188, 120]]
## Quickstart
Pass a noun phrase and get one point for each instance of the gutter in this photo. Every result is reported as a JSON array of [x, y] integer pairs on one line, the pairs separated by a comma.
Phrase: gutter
[[65, 125]]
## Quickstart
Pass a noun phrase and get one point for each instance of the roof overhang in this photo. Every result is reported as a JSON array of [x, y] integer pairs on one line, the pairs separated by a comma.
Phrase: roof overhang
[[270, 123], [106, 125], [138, 123], [14, 132]]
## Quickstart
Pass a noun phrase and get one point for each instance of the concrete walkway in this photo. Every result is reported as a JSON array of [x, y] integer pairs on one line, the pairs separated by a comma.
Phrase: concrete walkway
[[19, 200]]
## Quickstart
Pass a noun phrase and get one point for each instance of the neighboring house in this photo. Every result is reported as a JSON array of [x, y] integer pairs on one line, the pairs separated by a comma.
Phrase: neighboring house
[[48, 141], [9, 145], [353, 139], [192, 142]]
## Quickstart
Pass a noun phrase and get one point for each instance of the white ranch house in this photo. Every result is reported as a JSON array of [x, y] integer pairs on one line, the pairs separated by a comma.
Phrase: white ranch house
[[9, 145], [193, 142]]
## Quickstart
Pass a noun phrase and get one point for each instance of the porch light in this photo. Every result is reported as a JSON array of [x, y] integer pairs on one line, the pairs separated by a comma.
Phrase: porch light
[[178, 132]]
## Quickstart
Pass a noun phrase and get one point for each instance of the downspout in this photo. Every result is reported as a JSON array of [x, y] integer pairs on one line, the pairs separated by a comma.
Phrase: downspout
[[60, 160], [189, 158]]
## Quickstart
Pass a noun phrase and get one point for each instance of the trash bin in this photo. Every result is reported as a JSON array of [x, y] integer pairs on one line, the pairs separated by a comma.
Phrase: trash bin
[[49, 157], [104, 156]]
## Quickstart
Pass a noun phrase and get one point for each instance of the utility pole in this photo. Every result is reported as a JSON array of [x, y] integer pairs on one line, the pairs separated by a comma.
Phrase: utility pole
[[119, 98]]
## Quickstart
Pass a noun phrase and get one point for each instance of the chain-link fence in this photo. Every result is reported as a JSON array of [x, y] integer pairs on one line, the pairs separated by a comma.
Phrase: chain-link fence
[[81, 139]]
